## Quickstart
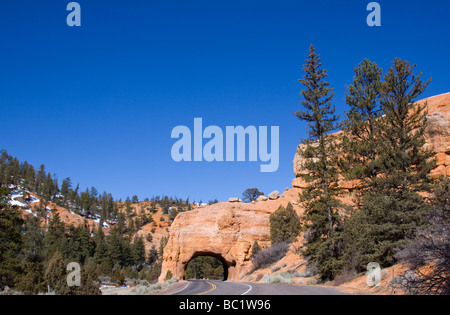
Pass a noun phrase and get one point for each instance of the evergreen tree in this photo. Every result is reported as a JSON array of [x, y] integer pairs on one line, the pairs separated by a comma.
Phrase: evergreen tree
[[251, 194], [87, 285], [80, 245], [203, 267], [11, 241], [173, 214], [74, 198], [127, 252], [33, 257], [114, 241], [162, 243], [362, 130], [4, 157], [101, 248], [393, 209], [55, 240], [33, 246], [86, 202], [152, 255], [48, 188], [40, 177], [138, 251], [66, 186], [56, 275], [284, 225], [118, 275], [32, 280], [13, 172], [361, 157], [321, 160], [29, 176], [255, 248]]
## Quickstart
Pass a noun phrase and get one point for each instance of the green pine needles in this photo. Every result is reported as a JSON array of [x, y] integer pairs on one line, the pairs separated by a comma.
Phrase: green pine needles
[[322, 216], [382, 148]]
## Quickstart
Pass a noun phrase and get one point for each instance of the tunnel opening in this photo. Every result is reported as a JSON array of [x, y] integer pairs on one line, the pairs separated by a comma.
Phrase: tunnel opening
[[207, 266]]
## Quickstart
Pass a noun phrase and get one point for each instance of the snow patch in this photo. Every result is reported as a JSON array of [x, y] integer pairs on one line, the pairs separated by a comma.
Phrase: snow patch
[[33, 199], [14, 202]]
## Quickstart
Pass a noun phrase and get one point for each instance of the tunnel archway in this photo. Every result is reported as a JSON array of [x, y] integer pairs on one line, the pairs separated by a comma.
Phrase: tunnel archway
[[226, 264]]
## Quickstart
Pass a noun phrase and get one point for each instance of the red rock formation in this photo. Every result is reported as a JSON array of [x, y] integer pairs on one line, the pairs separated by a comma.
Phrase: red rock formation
[[225, 230], [437, 136]]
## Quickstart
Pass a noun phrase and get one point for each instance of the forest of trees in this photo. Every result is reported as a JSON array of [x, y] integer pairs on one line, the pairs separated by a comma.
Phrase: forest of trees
[[34, 256], [35, 249], [205, 267]]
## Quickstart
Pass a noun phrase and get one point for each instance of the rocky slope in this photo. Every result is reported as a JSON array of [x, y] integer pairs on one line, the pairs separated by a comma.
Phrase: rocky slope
[[31, 205]]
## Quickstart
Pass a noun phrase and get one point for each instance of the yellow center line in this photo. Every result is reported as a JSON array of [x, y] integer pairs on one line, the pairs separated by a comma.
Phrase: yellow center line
[[212, 289]]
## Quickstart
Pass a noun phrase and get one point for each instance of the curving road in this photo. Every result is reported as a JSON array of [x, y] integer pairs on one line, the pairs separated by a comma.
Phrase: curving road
[[215, 287]]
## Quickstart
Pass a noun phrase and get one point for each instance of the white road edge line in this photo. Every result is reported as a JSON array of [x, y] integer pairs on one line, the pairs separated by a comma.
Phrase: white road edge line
[[248, 289], [172, 293]]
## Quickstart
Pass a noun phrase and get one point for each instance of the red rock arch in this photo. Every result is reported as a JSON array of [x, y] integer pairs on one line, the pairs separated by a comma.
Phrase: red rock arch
[[225, 231]]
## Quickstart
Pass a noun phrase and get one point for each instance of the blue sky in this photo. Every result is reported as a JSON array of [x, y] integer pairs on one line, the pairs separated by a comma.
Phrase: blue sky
[[98, 103]]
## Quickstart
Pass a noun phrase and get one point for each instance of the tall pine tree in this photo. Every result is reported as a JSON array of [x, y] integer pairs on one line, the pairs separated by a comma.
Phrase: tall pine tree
[[360, 140], [320, 155], [393, 208], [11, 241]]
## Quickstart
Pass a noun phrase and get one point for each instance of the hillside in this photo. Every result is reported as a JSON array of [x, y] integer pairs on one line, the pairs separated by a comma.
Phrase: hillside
[[152, 232], [113, 241]]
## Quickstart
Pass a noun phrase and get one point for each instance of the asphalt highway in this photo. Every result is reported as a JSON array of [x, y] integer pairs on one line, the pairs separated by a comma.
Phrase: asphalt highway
[[215, 287]]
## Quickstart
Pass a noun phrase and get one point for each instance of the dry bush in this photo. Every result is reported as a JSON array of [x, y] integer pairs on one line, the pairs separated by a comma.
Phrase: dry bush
[[270, 255], [428, 256]]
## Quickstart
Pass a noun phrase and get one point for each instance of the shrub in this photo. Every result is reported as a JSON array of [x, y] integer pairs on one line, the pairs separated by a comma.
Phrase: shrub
[[169, 275], [278, 278], [284, 225], [308, 273], [152, 288], [268, 256], [431, 248], [255, 248]]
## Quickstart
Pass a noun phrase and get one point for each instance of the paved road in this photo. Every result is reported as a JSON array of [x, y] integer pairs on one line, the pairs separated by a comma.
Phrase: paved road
[[214, 287]]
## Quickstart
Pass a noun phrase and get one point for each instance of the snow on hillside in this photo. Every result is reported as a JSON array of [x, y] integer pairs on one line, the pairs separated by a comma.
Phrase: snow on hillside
[[17, 199], [17, 203]]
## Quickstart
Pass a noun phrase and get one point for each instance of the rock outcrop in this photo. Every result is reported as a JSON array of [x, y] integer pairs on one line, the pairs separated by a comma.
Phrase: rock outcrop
[[225, 230], [438, 132], [262, 198], [437, 136], [274, 195]]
